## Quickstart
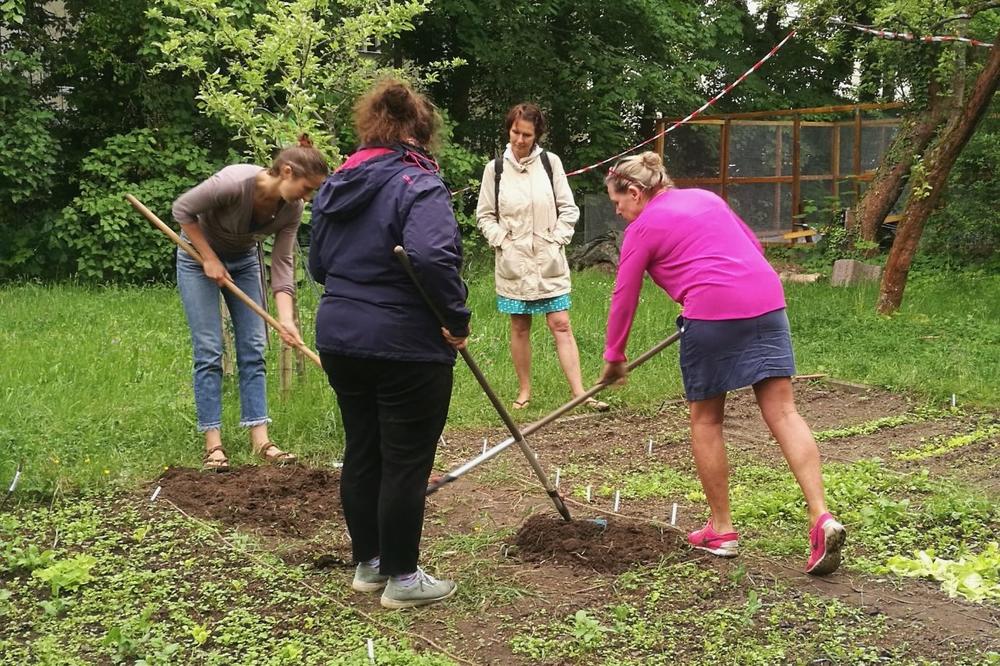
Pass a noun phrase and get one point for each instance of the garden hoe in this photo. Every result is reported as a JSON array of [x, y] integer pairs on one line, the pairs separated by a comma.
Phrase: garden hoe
[[517, 435], [533, 427], [228, 284]]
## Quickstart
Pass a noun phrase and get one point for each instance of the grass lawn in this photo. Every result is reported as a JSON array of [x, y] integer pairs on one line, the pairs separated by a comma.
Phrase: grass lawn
[[97, 400], [96, 382]]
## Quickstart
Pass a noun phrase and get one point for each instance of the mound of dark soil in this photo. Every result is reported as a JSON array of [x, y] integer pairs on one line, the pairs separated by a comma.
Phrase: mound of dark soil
[[610, 548], [291, 500]]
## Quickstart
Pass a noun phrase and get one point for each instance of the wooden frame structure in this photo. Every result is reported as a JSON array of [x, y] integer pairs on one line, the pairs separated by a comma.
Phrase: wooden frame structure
[[838, 172]]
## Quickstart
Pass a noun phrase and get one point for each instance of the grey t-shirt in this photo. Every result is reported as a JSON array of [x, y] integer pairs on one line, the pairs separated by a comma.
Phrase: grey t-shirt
[[223, 205]]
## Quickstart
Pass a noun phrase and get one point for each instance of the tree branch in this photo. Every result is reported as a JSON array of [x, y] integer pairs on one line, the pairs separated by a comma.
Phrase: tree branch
[[969, 12]]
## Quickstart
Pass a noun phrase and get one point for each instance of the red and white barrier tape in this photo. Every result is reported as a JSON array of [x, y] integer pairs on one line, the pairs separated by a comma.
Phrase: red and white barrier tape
[[886, 34], [694, 113], [908, 37], [704, 106]]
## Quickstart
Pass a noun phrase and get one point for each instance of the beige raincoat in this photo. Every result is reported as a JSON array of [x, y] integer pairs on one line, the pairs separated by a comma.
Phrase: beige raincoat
[[533, 228]]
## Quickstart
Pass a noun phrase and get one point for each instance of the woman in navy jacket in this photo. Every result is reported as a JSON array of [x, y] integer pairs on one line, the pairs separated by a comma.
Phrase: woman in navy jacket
[[386, 357]]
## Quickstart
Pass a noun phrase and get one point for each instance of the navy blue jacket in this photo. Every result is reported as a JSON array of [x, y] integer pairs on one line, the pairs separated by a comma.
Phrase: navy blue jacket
[[381, 198]]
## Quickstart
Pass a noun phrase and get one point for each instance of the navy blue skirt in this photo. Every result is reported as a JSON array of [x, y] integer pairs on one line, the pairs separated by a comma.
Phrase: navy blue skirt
[[724, 355]]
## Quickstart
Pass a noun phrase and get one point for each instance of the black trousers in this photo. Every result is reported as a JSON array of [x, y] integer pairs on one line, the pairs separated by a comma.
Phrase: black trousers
[[393, 414]]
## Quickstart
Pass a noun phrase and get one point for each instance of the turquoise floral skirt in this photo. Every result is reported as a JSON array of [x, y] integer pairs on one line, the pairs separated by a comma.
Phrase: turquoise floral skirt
[[541, 306]]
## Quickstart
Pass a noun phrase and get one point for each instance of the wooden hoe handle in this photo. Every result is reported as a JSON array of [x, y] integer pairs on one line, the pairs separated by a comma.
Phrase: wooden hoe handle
[[228, 284]]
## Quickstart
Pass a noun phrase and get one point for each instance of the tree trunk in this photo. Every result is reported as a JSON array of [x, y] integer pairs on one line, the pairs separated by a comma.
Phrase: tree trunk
[[890, 178], [926, 194]]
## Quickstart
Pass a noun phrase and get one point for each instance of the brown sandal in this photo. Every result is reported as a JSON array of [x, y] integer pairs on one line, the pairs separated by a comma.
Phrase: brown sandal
[[270, 453], [210, 464]]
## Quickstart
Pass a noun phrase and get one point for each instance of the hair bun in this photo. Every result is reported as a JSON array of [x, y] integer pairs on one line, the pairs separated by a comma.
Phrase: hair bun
[[305, 141], [398, 101], [652, 161]]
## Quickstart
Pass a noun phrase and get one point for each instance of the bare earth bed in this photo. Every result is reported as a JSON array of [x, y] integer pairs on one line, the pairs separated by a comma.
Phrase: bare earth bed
[[519, 565], [625, 588]]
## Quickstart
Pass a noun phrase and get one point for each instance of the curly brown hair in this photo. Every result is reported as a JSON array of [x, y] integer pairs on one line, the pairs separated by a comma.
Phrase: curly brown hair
[[393, 112]]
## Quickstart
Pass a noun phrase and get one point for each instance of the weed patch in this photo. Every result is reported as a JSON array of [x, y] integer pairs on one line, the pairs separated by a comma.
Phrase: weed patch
[[887, 513], [941, 445], [150, 587]]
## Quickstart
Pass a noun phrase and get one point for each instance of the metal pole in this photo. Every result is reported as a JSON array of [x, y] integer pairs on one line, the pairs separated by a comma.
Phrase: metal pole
[[518, 436], [533, 427]]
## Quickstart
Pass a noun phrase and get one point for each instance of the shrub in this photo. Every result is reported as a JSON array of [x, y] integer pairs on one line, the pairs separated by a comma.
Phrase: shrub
[[106, 238], [28, 158], [967, 228]]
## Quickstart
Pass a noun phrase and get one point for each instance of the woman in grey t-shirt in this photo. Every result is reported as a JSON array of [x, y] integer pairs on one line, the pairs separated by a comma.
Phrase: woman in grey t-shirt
[[224, 217]]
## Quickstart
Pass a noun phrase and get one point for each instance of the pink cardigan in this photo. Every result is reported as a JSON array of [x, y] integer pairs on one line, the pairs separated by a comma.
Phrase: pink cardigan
[[702, 254]]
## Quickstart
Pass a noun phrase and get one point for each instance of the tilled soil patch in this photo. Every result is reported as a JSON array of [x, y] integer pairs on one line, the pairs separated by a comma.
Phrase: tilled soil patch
[[605, 548], [277, 501]]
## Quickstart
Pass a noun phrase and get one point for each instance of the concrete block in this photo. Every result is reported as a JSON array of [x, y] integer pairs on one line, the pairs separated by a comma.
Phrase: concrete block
[[850, 271]]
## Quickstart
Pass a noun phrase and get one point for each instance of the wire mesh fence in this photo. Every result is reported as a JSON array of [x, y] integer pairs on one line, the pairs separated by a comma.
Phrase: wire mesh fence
[[781, 169]]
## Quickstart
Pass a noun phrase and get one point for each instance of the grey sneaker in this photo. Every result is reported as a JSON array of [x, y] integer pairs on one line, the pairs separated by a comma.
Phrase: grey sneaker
[[425, 590], [368, 579]]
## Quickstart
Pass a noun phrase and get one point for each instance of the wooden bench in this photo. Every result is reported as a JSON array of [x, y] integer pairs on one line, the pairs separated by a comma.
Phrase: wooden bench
[[807, 234]]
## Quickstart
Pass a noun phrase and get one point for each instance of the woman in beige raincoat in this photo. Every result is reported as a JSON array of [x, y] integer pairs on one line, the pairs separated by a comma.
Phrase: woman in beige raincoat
[[527, 214]]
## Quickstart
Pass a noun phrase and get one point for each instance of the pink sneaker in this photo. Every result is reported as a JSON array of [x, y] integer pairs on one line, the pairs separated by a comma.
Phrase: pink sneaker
[[707, 539], [826, 538]]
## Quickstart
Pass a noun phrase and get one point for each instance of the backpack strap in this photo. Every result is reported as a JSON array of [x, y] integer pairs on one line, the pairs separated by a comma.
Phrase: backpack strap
[[548, 169], [498, 171]]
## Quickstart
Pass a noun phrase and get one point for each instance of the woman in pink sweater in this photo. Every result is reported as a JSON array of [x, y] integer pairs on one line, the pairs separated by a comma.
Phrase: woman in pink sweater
[[734, 333]]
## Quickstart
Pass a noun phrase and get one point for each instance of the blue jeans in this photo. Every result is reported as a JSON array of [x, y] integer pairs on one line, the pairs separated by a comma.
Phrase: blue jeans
[[200, 296]]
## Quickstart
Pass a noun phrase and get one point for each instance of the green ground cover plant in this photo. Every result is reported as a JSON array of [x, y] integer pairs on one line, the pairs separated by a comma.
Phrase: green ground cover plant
[[95, 383], [679, 612], [887, 513], [148, 586], [986, 429], [919, 414]]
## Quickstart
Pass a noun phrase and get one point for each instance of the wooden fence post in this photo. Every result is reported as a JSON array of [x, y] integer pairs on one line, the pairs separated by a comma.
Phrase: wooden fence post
[[796, 167], [660, 143]]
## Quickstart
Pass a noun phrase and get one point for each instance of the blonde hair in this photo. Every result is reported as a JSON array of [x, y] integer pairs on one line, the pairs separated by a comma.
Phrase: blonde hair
[[644, 170]]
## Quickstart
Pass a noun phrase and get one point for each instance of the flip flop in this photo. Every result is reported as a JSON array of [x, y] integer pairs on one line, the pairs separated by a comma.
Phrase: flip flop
[[521, 404]]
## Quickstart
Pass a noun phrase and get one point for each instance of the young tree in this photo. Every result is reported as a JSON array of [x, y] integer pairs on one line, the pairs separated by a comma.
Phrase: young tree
[[929, 176], [272, 69]]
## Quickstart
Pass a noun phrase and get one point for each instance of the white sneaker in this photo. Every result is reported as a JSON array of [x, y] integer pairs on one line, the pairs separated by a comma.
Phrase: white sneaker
[[368, 579], [423, 591]]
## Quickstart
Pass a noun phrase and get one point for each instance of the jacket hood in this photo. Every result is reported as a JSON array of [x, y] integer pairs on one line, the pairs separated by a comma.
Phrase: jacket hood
[[351, 188], [522, 165]]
